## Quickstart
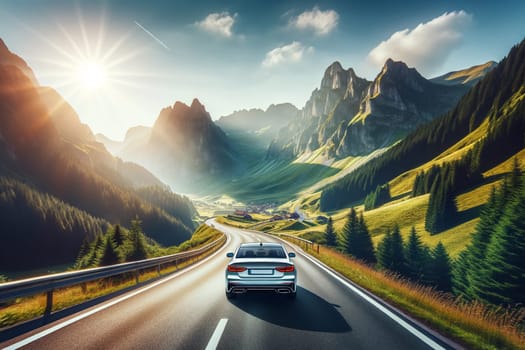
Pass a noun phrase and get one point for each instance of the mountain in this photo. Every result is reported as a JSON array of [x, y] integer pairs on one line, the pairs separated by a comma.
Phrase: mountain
[[398, 100], [469, 76], [484, 129], [263, 124], [86, 149], [61, 187], [183, 148], [136, 138], [350, 116], [337, 98], [8, 58]]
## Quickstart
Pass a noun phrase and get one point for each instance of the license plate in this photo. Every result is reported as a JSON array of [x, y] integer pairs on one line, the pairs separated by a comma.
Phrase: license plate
[[261, 272]]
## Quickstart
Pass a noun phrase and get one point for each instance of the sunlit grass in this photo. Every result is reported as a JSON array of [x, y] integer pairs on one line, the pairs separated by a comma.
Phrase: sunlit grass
[[27, 308], [475, 325]]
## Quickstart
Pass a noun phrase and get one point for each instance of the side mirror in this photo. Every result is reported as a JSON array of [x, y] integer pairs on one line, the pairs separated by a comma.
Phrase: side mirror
[[291, 254], [229, 255]]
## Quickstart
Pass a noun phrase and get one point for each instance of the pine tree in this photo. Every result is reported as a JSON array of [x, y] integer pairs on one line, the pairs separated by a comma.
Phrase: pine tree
[[460, 269], [330, 236], [440, 268], [118, 236], [504, 271], [398, 262], [349, 236], [384, 252], [94, 252], [138, 248], [477, 249], [366, 247], [442, 210], [416, 257], [390, 254], [109, 254]]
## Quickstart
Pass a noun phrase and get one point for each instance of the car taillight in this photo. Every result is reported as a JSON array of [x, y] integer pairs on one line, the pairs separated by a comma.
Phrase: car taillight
[[233, 268], [288, 268]]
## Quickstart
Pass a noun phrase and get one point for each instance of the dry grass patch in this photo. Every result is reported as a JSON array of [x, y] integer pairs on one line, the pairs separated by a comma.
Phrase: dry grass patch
[[27, 308], [473, 324]]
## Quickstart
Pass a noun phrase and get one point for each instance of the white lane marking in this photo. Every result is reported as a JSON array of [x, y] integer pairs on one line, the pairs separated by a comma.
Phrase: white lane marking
[[381, 308], [216, 336], [66, 323]]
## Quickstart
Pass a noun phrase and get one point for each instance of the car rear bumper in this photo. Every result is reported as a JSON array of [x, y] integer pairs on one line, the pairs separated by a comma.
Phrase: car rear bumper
[[280, 286]]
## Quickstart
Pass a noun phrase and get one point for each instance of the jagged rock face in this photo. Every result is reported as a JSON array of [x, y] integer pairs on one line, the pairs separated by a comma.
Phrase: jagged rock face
[[186, 145], [334, 102], [351, 116], [398, 101]]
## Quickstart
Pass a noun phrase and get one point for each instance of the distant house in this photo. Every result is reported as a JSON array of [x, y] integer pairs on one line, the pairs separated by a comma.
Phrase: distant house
[[240, 212], [277, 217], [294, 216]]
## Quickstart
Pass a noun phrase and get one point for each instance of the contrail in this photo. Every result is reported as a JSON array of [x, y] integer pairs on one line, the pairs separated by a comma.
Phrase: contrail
[[151, 34]]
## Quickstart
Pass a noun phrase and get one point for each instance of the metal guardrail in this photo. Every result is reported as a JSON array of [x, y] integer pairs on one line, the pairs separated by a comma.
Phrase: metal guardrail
[[301, 241], [48, 283]]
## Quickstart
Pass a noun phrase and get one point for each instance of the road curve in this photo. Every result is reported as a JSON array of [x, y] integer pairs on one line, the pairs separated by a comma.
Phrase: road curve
[[189, 310]]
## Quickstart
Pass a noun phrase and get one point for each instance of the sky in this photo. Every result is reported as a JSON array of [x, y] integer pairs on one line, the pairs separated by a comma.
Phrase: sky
[[118, 63]]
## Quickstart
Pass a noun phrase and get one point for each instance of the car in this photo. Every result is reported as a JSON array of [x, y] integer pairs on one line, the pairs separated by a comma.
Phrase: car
[[261, 266]]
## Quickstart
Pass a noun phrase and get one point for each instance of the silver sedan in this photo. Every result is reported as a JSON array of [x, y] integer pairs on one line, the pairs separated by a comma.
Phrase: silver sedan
[[261, 266]]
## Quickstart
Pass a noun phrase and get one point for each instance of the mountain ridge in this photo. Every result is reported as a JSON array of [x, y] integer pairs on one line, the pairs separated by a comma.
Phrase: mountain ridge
[[351, 116], [45, 161]]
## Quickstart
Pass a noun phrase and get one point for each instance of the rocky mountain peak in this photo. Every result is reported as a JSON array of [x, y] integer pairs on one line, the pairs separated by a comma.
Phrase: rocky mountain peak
[[335, 77], [9, 58], [197, 106], [3, 47]]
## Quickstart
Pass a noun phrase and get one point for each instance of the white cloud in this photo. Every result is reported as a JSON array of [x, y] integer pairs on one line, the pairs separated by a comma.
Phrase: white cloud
[[425, 47], [290, 53], [218, 23], [321, 22]]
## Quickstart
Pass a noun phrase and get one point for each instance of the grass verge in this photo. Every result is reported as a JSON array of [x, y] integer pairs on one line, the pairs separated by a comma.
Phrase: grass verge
[[27, 308], [475, 325]]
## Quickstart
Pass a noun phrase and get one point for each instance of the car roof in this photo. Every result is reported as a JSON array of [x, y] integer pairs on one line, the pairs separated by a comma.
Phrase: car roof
[[264, 245]]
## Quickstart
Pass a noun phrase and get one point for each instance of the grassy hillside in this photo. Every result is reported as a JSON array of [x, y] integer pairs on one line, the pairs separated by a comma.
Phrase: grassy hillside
[[277, 181], [404, 210]]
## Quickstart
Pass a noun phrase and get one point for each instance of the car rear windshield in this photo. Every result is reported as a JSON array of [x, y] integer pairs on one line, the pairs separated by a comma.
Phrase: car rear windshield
[[261, 252]]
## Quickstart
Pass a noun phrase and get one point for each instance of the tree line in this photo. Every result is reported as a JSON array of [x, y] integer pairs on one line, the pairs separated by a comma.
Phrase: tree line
[[38, 229], [411, 259], [495, 98], [115, 246], [490, 269]]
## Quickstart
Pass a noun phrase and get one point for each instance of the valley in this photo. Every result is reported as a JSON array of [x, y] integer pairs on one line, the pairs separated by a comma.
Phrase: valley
[[383, 144]]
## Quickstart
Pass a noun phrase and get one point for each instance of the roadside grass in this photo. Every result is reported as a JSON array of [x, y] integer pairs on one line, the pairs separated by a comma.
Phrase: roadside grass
[[474, 325], [27, 308]]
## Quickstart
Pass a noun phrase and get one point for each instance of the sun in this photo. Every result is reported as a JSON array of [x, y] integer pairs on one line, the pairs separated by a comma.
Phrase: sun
[[91, 74]]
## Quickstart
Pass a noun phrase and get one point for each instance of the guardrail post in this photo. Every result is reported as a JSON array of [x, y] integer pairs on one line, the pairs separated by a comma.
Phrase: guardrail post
[[176, 264], [49, 303], [317, 248], [136, 276], [158, 269]]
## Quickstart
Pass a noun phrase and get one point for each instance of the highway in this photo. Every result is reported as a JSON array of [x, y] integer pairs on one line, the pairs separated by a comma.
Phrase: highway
[[189, 310]]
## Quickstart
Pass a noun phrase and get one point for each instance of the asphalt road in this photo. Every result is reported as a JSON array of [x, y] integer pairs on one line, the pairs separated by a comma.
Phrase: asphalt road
[[189, 310]]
